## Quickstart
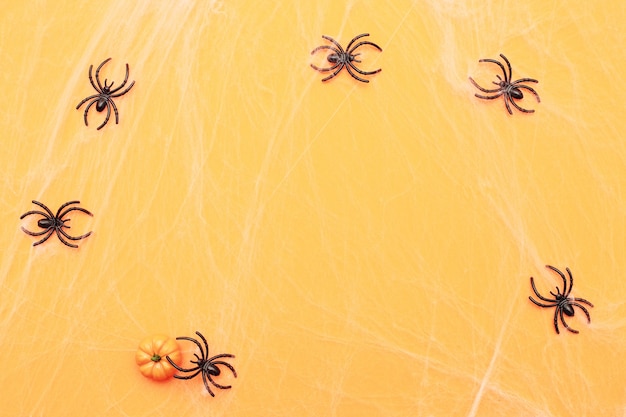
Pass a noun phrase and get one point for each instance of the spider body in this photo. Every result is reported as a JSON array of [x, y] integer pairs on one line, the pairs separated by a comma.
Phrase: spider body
[[344, 58], [102, 101], [52, 223], [205, 366], [106, 93], [563, 303], [341, 58], [47, 223], [514, 92], [510, 90]]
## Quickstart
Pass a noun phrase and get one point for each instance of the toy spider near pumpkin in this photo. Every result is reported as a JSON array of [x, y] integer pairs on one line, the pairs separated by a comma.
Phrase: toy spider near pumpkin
[[508, 89], [563, 303], [151, 353], [105, 95], [205, 366], [55, 223]]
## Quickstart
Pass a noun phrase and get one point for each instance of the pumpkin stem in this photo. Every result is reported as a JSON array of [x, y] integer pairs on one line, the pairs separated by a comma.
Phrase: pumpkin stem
[[156, 358]]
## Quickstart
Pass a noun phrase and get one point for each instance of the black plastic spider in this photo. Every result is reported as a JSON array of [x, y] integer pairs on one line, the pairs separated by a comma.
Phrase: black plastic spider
[[207, 367], [562, 302], [104, 98], [341, 58], [55, 223], [511, 90]]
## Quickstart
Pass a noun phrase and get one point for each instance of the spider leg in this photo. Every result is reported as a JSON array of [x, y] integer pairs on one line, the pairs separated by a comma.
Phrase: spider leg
[[95, 100], [187, 376], [558, 292], [182, 369], [539, 304], [64, 233], [197, 344], [356, 77], [95, 96], [106, 119], [50, 231], [28, 232], [520, 108], [65, 205], [28, 213], [531, 90], [74, 209], [510, 69], [336, 51], [123, 92], [228, 365], [334, 73], [532, 283], [206, 344], [565, 324], [210, 378], [43, 206], [583, 309], [364, 72], [206, 383], [582, 300], [357, 38], [361, 44], [319, 48], [571, 281], [117, 117], [223, 355], [507, 98], [64, 225], [488, 97], [123, 83], [556, 323], [565, 291], [98, 72], [60, 234], [483, 89], [325, 69], [493, 61], [524, 80], [328, 38], [95, 87]]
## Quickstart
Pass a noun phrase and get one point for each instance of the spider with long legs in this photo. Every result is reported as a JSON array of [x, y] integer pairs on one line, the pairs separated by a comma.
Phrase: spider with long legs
[[205, 366], [104, 98], [562, 301], [55, 223], [510, 90], [341, 58]]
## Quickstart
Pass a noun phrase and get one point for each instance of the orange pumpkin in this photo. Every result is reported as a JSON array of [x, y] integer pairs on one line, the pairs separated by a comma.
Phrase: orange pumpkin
[[151, 355]]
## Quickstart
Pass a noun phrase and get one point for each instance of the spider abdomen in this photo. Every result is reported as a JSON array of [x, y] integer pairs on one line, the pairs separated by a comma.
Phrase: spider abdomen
[[102, 104], [516, 93], [212, 369], [45, 223], [568, 309], [48, 223], [340, 58]]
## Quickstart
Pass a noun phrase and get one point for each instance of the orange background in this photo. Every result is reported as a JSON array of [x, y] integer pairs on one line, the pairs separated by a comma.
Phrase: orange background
[[363, 249]]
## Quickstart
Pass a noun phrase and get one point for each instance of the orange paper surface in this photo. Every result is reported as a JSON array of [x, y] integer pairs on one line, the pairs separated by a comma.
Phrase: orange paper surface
[[362, 249]]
